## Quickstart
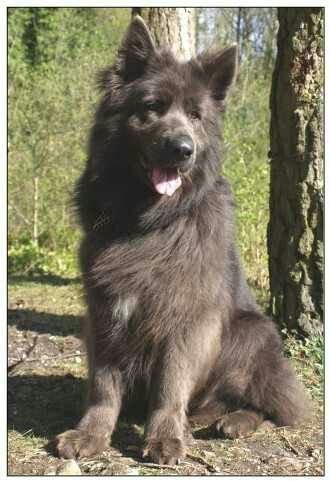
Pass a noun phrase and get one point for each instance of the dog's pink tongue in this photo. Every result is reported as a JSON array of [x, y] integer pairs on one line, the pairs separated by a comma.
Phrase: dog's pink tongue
[[165, 181]]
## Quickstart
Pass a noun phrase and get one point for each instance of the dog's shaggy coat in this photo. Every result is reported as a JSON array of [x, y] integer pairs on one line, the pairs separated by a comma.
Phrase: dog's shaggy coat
[[172, 325]]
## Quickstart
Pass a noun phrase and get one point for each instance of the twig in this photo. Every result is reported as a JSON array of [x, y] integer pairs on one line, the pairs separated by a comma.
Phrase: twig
[[27, 221], [26, 354], [290, 446], [200, 460], [156, 466], [52, 357]]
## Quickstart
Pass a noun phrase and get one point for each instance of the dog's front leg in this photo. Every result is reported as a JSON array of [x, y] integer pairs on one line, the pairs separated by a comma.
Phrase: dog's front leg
[[92, 434], [171, 385]]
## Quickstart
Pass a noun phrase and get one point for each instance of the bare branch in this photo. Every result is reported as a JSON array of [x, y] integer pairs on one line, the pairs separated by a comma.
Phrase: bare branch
[[12, 206]]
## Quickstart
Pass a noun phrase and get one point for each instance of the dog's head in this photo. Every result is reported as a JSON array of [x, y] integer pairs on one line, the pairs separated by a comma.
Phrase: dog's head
[[169, 108]]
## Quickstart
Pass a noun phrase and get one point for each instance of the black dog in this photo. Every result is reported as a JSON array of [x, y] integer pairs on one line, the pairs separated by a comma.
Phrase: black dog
[[172, 325]]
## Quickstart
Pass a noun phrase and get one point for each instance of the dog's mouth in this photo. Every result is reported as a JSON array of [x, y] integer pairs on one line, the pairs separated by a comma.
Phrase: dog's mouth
[[165, 180]]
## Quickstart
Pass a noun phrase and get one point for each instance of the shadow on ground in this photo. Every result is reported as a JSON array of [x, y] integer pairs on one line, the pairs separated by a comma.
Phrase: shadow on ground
[[45, 406], [52, 280], [205, 433], [40, 322]]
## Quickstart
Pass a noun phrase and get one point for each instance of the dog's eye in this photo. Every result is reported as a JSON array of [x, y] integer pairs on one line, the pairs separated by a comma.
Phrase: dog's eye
[[154, 105], [195, 115]]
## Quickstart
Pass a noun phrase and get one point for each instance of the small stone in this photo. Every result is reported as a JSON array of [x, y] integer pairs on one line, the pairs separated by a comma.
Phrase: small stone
[[116, 469], [208, 453], [266, 426], [69, 467], [296, 463], [50, 472], [133, 471]]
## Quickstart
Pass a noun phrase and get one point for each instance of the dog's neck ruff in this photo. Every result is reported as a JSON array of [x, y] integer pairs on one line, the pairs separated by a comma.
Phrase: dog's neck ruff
[[102, 220]]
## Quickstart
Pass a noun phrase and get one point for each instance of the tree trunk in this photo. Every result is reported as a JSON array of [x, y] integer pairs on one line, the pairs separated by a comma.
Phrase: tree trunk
[[238, 30], [175, 27], [295, 231], [35, 209]]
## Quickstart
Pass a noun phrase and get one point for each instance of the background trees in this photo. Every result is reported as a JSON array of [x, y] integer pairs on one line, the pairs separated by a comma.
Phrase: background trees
[[172, 26], [54, 55]]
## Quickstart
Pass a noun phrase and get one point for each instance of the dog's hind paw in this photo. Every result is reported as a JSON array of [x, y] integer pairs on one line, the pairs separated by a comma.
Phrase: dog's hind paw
[[79, 443], [238, 424]]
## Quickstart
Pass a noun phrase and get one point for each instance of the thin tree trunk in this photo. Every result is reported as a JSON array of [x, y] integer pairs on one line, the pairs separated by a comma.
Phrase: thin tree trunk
[[175, 27], [295, 234], [238, 30], [35, 209]]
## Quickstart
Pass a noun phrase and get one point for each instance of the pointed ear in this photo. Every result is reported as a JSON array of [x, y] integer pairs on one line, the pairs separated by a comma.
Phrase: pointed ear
[[135, 51], [220, 68]]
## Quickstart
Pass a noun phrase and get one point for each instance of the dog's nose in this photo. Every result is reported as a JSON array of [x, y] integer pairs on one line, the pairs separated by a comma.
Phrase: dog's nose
[[183, 147], [180, 149]]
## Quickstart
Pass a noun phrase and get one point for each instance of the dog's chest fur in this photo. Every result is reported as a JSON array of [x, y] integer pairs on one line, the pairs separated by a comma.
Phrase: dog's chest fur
[[165, 278]]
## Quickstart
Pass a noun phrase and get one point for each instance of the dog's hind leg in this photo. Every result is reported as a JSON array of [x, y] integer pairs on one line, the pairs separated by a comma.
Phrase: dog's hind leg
[[255, 379]]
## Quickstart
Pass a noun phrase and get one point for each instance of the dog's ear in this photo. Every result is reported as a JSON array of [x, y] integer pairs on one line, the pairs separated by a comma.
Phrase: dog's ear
[[220, 68], [135, 51]]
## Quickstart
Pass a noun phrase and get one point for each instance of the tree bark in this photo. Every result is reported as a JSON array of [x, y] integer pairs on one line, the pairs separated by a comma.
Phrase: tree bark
[[295, 231], [175, 27]]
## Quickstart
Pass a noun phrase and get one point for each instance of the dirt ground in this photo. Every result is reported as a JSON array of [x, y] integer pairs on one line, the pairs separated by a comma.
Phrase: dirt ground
[[46, 387]]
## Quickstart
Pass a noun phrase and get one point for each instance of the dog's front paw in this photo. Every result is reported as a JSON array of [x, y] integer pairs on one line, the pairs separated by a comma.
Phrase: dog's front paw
[[164, 451], [79, 443]]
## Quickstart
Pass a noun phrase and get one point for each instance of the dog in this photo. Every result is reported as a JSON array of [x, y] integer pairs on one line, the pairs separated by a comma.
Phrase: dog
[[173, 330]]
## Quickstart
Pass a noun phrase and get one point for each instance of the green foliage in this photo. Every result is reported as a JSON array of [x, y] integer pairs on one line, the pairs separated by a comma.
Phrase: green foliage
[[252, 28], [246, 165], [31, 259], [308, 354], [54, 55]]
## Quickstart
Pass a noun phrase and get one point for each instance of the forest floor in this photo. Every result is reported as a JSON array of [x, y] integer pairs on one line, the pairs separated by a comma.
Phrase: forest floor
[[46, 386]]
